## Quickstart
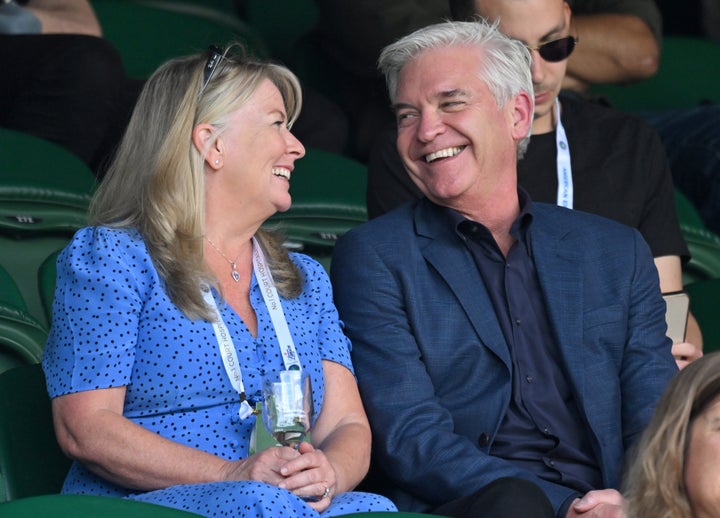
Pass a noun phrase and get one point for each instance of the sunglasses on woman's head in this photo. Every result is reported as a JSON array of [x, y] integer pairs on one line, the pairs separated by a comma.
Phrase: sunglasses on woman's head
[[216, 54], [556, 50]]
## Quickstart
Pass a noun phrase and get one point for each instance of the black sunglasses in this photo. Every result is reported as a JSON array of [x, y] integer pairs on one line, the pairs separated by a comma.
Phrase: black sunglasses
[[556, 50], [216, 54]]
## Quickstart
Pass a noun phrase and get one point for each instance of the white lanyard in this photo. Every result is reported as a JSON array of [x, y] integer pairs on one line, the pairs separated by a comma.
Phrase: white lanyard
[[564, 169], [272, 301], [225, 342]]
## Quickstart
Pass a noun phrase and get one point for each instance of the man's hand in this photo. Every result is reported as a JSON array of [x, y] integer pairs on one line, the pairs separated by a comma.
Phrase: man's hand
[[685, 352], [603, 503]]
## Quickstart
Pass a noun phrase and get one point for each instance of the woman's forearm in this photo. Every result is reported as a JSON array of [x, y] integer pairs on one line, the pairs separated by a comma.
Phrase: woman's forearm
[[127, 454]]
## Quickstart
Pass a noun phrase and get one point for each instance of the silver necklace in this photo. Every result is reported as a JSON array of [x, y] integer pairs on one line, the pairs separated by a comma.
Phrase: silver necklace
[[233, 264]]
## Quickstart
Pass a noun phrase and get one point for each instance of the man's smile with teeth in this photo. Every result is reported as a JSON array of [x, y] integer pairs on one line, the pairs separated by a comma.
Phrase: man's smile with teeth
[[281, 171], [443, 153]]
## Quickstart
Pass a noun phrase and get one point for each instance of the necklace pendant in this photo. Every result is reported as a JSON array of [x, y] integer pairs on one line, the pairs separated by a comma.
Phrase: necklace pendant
[[235, 275]]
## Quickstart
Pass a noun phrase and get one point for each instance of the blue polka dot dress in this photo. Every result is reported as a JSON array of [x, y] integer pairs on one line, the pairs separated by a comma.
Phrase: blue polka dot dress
[[114, 325]]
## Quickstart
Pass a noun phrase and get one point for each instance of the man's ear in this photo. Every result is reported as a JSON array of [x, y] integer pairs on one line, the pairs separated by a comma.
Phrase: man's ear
[[209, 147], [522, 115]]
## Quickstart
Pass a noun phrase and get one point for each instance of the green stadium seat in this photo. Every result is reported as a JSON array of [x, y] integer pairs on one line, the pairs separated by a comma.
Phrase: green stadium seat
[[148, 33], [22, 338], [387, 514], [43, 201], [704, 245], [31, 462], [86, 506], [46, 283], [282, 24], [705, 306]]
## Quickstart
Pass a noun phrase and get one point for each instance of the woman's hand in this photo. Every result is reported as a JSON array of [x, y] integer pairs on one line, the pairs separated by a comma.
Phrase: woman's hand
[[264, 466], [310, 476]]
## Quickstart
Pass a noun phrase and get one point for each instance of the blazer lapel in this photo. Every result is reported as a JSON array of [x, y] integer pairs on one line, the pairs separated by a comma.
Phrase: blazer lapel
[[559, 270], [453, 261]]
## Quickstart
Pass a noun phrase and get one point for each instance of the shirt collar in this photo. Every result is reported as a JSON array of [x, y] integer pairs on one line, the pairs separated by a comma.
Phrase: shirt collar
[[518, 229]]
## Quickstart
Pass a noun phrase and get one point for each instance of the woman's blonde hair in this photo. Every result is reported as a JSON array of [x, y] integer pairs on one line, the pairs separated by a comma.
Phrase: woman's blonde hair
[[156, 181], [654, 484]]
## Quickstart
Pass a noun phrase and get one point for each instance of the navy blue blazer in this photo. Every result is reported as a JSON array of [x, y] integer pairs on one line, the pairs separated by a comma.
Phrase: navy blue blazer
[[433, 365]]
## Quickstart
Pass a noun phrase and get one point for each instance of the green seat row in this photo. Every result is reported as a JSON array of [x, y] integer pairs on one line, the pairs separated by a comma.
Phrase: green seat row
[[705, 306], [43, 201], [22, 338], [148, 33], [704, 245], [89, 506]]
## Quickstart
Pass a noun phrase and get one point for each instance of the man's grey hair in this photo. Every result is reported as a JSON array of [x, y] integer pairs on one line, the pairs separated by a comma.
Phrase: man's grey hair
[[506, 67]]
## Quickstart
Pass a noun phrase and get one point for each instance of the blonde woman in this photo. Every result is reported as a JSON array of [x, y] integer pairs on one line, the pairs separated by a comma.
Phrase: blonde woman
[[676, 471], [162, 326]]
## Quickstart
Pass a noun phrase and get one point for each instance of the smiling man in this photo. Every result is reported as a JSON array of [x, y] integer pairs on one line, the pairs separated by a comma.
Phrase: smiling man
[[590, 157], [582, 155], [495, 340]]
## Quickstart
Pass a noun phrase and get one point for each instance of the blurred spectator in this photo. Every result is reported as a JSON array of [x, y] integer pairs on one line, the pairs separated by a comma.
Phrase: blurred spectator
[[619, 42], [351, 35], [693, 18], [323, 124], [711, 19], [64, 82]]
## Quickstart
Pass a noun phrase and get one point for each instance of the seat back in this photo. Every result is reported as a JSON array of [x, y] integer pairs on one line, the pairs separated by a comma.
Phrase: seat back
[[705, 306], [43, 201], [31, 462], [22, 338], [148, 33], [704, 245], [705, 251], [46, 283], [282, 23], [87, 506]]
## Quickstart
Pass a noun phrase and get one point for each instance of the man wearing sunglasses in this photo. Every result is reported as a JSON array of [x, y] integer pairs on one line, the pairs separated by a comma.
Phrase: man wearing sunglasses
[[606, 162], [581, 155], [494, 337]]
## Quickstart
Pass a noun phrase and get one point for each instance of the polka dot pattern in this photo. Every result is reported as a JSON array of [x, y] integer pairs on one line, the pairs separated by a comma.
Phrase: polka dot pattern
[[113, 325]]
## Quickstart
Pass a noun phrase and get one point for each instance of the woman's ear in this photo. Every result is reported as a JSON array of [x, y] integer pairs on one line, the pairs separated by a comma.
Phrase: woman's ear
[[207, 146]]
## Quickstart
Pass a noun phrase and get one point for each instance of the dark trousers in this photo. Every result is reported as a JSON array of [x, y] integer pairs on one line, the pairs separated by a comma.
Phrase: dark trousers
[[68, 89], [692, 140], [503, 498]]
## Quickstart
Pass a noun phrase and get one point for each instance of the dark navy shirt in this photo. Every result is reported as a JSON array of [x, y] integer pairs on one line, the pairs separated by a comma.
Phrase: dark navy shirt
[[543, 430]]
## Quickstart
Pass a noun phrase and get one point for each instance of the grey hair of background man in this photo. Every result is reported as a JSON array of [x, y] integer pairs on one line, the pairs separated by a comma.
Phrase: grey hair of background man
[[505, 67]]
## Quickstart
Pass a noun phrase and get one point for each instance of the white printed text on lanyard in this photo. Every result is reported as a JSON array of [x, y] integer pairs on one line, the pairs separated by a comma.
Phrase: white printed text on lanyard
[[564, 169], [225, 342]]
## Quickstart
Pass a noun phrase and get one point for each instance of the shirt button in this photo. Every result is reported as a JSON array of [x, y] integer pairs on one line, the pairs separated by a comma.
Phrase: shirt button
[[529, 379], [234, 443], [484, 439]]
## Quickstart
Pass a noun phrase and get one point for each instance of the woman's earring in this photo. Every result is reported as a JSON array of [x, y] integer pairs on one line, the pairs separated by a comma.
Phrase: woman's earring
[[217, 161]]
